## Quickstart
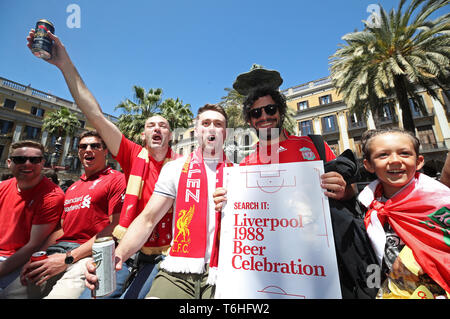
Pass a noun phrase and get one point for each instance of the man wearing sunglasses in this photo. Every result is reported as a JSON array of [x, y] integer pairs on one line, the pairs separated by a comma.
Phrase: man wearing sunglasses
[[141, 166], [30, 209], [92, 208], [265, 110]]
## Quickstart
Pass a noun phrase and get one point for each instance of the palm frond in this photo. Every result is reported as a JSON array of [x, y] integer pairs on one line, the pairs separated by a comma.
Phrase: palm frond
[[406, 48]]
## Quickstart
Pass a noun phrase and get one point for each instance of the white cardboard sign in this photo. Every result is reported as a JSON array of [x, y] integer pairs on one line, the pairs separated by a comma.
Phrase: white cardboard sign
[[276, 234]]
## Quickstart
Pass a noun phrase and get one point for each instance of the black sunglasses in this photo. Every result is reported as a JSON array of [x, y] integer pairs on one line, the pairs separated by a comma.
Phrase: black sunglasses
[[270, 110], [23, 159], [94, 146]]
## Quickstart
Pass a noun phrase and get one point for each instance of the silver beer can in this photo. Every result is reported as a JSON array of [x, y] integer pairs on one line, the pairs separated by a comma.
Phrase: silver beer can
[[103, 255]]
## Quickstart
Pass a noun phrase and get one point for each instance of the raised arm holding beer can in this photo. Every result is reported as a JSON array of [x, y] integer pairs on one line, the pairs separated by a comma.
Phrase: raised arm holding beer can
[[155, 136]]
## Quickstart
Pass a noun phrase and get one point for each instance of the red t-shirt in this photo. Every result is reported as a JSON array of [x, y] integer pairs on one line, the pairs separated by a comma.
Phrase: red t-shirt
[[126, 156], [293, 149], [89, 202], [42, 204]]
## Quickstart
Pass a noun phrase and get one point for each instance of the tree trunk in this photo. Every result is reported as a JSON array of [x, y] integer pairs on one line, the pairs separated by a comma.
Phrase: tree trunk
[[402, 97]]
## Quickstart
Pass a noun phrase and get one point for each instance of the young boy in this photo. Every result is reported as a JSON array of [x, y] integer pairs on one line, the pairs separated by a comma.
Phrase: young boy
[[408, 217]]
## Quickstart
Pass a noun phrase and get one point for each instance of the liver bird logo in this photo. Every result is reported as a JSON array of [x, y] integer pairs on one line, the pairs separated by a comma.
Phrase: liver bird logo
[[183, 222]]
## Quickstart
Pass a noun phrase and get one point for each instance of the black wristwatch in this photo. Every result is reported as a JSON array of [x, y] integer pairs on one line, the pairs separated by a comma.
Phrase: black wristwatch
[[69, 258]]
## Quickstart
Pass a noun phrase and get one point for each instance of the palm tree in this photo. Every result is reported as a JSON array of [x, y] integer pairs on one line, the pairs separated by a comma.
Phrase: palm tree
[[131, 125], [137, 111], [61, 123], [232, 103], [178, 115], [390, 59]]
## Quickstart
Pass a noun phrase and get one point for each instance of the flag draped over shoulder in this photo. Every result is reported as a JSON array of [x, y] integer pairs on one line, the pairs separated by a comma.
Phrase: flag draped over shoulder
[[420, 215]]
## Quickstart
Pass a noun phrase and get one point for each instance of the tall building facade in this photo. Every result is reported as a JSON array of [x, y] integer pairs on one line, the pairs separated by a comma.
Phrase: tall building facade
[[320, 110], [22, 111]]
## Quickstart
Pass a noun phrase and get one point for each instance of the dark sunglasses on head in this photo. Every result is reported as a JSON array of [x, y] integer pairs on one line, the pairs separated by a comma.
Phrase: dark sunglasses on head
[[23, 159], [94, 146], [270, 110]]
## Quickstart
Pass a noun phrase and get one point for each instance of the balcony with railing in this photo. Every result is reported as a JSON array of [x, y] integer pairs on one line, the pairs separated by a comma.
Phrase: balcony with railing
[[421, 119], [28, 90], [307, 86], [355, 125], [44, 96], [330, 129]]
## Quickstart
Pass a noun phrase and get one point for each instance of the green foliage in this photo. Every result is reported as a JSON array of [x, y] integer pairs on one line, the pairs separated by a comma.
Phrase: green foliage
[[135, 112], [61, 123], [147, 104], [178, 115]]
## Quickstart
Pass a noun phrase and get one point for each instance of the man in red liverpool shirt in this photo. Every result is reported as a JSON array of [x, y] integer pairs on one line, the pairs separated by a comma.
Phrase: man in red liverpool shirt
[[141, 166], [264, 110], [92, 208], [30, 208]]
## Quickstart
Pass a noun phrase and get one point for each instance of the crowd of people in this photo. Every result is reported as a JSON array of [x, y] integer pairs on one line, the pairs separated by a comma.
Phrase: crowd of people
[[406, 227]]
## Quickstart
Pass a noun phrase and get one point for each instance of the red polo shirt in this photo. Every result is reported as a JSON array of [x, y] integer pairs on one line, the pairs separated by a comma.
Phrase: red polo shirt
[[89, 202]]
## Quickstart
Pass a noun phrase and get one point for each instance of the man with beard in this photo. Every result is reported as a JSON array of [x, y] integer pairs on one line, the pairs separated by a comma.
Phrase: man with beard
[[30, 209], [92, 208], [141, 166], [264, 110]]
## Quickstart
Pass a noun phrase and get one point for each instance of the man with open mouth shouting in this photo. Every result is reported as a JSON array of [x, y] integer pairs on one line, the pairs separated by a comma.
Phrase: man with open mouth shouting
[[140, 164], [189, 271]]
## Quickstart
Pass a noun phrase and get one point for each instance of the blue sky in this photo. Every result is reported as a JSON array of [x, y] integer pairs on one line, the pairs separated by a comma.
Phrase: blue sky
[[192, 49]]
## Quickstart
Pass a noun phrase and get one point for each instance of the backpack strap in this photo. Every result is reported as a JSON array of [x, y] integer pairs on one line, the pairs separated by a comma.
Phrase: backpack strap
[[319, 144]]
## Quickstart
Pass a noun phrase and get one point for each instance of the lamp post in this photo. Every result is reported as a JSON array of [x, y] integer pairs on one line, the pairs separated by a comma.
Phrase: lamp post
[[54, 161]]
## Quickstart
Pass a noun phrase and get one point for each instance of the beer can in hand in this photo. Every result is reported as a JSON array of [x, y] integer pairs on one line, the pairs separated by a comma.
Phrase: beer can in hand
[[42, 44], [103, 255], [39, 255]]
